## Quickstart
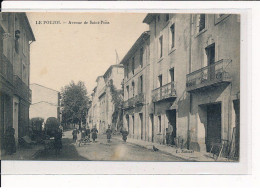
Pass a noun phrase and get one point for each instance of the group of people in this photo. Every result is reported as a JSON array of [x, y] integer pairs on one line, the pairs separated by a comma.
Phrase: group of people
[[84, 133]]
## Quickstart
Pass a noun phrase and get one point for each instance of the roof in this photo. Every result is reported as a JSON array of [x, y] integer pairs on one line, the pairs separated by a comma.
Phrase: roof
[[144, 36], [98, 78], [149, 18], [111, 67], [44, 87]]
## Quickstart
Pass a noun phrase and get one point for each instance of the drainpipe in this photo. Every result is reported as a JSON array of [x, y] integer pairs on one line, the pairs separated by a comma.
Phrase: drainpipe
[[189, 94]]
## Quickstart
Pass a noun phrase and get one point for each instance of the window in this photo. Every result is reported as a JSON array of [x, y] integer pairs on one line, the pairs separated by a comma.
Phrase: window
[[24, 73], [133, 86], [210, 51], [141, 84], [141, 56], [127, 90], [220, 17], [161, 46], [160, 80], [172, 35], [171, 71], [202, 22], [160, 124], [167, 17], [133, 65]]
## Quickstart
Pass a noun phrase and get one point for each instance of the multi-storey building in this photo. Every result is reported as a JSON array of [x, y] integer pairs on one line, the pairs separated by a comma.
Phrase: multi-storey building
[[102, 106], [213, 79], [15, 38], [169, 60], [194, 80], [45, 102], [137, 93]]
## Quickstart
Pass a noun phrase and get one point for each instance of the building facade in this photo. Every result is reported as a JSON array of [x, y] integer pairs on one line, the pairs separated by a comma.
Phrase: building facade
[[15, 38], [102, 105], [194, 81], [45, 102], [137, 92]]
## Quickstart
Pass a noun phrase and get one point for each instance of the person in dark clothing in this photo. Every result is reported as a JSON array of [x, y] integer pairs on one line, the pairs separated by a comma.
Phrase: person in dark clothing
[[124, 135], [75, 135], [88, 132], [10, 141], [108, 132], [94, 132]]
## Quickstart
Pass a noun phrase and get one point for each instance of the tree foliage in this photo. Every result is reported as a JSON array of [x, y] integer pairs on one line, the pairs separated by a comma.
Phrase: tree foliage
[[75, 103], [117, 99]]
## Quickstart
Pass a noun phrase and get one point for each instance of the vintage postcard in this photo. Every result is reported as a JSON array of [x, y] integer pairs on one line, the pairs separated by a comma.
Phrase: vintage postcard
[[151, 87]]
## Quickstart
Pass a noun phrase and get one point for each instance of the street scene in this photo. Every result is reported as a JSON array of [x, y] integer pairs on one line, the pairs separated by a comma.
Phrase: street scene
[[154, 87]]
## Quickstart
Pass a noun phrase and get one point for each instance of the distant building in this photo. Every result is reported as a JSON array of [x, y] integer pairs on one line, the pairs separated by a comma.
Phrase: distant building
[[15, 38], [45, 102], [102, 106], [137, 89]]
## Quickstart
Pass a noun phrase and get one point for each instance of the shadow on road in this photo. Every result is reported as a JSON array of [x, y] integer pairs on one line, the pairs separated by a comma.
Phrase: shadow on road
[[68, 153]]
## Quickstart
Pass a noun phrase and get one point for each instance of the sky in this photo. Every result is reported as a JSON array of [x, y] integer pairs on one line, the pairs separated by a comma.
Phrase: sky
[[64, 52]]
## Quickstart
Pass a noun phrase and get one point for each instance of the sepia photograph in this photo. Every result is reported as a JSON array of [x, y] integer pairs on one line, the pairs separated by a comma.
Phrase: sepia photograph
[[117, 86]]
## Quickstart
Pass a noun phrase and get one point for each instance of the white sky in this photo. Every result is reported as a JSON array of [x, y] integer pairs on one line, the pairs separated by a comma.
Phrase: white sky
[[65, 52]]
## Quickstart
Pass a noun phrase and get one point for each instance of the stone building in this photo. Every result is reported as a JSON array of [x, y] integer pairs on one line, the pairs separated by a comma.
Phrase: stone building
[[194, 80], [137, 92], [213, 79], [169, 38], [15, 38], [102, 106], [45, 102]]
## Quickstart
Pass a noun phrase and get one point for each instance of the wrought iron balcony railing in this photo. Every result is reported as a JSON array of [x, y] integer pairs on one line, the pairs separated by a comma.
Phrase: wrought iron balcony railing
[[165, 92], [139, 99], [6, 68], [208, 76], [129, 103], [22, 89]]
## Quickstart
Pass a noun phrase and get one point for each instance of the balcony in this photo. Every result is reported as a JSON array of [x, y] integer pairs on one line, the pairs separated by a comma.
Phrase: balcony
[[165, 92], [139, 99], [6, 69], [21, 89], [208, 76], [129, 103]]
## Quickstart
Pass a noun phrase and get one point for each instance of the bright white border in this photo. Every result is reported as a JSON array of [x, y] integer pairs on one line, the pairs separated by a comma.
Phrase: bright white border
[[243, 167]]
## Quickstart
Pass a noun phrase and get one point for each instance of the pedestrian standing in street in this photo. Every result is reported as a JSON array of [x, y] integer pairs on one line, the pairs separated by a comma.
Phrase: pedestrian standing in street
[[169, 133], [10, 141], [108, 132], [75, 135], [124, 134], [94, 132]]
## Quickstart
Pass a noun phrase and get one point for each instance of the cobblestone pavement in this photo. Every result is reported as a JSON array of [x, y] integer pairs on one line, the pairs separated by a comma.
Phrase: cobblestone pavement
[[101, 150]]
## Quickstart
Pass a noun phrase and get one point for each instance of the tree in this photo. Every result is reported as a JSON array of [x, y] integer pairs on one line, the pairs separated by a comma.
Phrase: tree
[[117, 99], [75, 103]]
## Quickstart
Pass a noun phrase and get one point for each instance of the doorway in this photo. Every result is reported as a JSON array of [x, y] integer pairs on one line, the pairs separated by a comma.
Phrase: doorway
[[141, 125], [127, 121], [210, 52], [171, 115], [133, 120], [237, 131], [152, 125], [213, 132]]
